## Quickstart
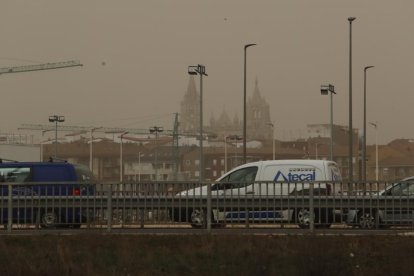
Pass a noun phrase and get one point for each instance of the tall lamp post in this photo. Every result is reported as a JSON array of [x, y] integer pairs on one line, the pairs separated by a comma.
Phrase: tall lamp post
[[244, 103], [375, 125], [121, 162], [156, 130], [350, 164], [364, 139], [200, 70], [91, 148], [225, 153], [325, 90], [139, 167], [41, 144], [272, 125], [56, 119], [234, 137]]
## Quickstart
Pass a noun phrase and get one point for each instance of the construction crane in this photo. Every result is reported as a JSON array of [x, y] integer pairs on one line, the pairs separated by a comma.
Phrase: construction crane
[[38, 67]]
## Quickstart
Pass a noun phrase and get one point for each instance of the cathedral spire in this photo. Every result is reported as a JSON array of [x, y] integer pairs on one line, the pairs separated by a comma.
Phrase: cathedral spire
[[256, 92], [191, 88], [190, 111]]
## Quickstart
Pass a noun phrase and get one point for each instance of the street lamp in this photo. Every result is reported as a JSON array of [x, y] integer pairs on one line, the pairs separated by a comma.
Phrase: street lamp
[[139, 166], [325, 89], [121, 173], [350, 166], [200, 70], [156, 130], [90, 148], [364, 139], [56, 119], [234, 137], [375, 125], [273, 138], [244, 103], [316, 151], [41, 144], [225, 154]]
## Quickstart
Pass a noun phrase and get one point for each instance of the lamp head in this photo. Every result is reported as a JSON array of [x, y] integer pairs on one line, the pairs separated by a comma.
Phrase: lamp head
[[248, 45], [192, 70], [350, 19], [324, 90]]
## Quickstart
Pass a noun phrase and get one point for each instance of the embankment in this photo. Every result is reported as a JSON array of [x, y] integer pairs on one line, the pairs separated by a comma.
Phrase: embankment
[[88, 254]]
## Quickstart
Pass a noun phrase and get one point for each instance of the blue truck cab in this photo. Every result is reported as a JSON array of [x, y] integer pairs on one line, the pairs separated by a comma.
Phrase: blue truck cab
[[37, 188]]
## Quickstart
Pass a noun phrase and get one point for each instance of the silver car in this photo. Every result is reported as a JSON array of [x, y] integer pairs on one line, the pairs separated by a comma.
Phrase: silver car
[[396, 201]]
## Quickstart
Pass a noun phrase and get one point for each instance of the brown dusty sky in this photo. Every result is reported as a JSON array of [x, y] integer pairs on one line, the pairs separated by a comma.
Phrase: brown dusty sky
[[147, 45]]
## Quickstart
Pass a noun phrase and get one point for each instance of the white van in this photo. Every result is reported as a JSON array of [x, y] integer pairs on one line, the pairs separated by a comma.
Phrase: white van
[[273, 178]]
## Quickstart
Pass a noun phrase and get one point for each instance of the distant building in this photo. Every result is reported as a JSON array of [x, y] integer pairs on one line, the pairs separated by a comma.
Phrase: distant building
[[257, 116], [20, 152], [340, 133]]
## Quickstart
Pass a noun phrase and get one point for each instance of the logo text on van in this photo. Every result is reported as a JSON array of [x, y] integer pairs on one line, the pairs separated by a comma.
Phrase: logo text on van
[[295, 175]]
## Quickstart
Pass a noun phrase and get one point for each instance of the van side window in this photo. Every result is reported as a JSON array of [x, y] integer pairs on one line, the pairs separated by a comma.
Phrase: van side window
[[243, 175], [15, 174]]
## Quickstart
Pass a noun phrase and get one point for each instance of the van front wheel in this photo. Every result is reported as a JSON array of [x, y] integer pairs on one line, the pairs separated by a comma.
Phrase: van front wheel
[[198, 218]]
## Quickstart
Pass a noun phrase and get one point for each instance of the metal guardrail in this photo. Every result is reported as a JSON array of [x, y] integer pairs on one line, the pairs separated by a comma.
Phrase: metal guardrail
[[173, 204]]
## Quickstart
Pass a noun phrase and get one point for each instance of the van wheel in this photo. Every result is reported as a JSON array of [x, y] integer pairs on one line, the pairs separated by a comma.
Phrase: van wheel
[[303, 218], [48, 219], [198, 218]]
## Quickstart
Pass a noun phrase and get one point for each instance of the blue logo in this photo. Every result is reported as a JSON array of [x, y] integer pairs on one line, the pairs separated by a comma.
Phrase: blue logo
[[295, 177]]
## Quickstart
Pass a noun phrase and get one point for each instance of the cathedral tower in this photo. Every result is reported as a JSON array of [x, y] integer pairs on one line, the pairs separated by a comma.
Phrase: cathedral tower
[[258, 116], [190, 109]]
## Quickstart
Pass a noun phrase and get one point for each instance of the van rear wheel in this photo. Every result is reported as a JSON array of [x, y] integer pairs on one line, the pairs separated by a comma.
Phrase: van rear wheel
[[48, 219], [303, 218]]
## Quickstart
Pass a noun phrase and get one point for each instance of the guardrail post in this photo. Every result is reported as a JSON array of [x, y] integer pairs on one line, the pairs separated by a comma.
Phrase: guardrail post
[[311, 211], [9, 209], [246, 213], [209, 208], [412, 219], [142, 218], [109, 209]]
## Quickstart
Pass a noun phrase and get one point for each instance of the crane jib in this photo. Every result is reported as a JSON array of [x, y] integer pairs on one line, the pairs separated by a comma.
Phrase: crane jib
[[38, 67]]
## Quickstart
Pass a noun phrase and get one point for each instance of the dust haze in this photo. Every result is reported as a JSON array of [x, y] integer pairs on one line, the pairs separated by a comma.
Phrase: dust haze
[[136, 53]]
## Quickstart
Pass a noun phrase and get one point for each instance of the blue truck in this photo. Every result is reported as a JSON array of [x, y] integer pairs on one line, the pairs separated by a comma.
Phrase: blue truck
[[45, 193]]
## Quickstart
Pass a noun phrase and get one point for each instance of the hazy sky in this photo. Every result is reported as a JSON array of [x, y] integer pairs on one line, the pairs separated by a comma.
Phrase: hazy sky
[[147, 45]]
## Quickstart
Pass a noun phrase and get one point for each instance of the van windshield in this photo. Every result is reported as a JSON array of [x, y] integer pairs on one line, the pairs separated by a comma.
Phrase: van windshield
[[83, 174], [15, 174]]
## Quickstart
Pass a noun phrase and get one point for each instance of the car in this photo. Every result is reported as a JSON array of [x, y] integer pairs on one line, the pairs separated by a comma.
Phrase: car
[[397, 207], [37, 187]]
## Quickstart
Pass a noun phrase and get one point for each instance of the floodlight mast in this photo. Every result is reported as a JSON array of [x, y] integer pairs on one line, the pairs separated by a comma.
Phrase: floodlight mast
[[200, 70]]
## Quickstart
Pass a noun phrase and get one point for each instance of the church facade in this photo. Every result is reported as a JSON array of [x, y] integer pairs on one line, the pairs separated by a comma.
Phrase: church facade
[[257, 117]]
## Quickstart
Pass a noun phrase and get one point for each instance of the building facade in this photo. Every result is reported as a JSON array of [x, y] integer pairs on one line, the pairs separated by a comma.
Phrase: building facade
[[257, 116]]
